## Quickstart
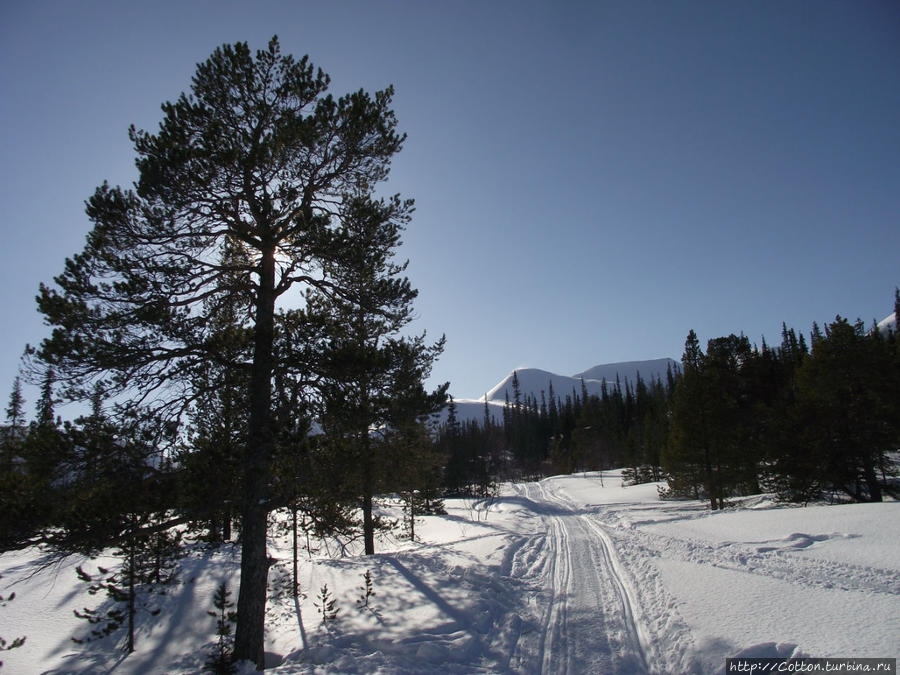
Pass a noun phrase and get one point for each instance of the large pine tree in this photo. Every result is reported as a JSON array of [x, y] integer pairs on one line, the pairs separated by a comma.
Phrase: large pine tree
[[257, 152]]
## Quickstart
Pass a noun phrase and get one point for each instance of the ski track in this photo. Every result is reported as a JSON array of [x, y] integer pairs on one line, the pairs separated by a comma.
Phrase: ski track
[[577, 579], [773, 561], [572, 588]]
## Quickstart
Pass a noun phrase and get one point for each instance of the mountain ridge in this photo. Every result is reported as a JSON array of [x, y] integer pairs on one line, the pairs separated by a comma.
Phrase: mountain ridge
[[537, 382]]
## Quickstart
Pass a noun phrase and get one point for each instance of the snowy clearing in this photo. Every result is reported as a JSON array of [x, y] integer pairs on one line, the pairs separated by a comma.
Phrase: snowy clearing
[[573, 574]]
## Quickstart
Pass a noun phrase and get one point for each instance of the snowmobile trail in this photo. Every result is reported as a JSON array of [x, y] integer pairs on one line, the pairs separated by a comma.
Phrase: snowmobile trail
[[586, 619]]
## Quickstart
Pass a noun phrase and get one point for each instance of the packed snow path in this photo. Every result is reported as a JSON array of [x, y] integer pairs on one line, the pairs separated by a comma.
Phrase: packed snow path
[[588, 623], [573, 574]]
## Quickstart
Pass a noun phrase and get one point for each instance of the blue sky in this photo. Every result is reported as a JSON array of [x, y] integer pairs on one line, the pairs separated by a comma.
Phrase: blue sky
[[592, 180]]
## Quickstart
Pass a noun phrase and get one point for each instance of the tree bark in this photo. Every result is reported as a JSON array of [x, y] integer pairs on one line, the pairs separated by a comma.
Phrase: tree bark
[[368, 518], [871, 480], [368, 524], [249, 639], [296, 582], [367, 478], [412, 515], [132, 544], [226, 522]]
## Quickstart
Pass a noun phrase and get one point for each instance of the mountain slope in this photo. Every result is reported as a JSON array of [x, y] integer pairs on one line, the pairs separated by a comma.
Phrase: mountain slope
[[533, 381], [888, 323], [629, 370]]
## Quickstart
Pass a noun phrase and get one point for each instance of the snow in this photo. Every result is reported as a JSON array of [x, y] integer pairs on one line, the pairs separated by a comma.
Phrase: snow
[[570, 574], [888, 323], [649, 370]]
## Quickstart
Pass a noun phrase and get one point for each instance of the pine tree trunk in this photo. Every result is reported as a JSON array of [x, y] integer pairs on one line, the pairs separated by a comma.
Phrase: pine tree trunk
[[368, 518], [250, 632], [294, 541], [226, 522], [368, 524], [872, 480], [710, 480], [131, 573], [249, 639], [720, 489]]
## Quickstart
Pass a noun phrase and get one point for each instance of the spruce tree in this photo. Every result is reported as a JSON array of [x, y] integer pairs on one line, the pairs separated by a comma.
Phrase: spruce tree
[[368, 590], [453, 447], [15, 492], [15, 643], [116, 494], [517, 393], [221, 660], [452, 421], [845, 416], [688, 460], [15, 410], [128, 589], [44, 411], [326, 605], [553, 410], [13, 433], [41, 470]]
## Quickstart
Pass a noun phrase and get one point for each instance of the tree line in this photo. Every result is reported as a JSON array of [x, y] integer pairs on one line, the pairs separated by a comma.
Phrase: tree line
[[558, 433], [805, 419]]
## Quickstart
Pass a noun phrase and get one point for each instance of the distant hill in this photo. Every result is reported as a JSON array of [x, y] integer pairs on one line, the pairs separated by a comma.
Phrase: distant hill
[[649, 370], [533, 381]]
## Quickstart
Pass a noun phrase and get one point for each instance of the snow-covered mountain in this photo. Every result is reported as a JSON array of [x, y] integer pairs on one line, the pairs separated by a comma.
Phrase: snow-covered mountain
[[889, 323], [535, 382], [629, 370]]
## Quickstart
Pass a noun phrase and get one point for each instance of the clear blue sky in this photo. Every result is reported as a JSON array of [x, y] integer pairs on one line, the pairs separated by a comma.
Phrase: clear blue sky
[[592, 179]]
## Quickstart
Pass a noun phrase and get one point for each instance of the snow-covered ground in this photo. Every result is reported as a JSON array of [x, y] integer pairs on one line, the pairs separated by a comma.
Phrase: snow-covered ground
[[573, 574]]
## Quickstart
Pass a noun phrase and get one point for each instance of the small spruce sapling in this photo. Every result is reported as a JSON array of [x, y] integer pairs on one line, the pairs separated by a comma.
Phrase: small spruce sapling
[[326, 605], [19, 641], [368, 590], [113, 618], [221, 660]]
